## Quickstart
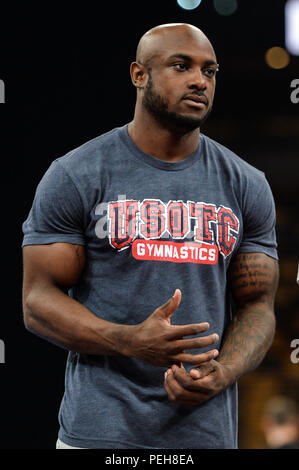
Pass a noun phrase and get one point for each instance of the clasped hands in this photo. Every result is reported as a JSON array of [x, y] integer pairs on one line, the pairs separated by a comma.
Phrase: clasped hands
[[163, 344]]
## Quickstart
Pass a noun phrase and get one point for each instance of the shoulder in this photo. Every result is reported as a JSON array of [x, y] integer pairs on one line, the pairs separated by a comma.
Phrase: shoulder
[[91, 151], [87, 164], [230, 163]]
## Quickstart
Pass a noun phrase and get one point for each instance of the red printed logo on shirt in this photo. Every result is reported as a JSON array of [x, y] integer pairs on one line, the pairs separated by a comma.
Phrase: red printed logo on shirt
[[176, 252], [197, 231]]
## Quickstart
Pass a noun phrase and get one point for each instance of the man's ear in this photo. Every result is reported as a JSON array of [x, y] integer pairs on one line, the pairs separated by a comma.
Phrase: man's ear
[[139, 74]]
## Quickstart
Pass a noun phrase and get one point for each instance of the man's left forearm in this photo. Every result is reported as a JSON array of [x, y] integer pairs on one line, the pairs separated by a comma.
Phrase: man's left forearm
[[247, 340]]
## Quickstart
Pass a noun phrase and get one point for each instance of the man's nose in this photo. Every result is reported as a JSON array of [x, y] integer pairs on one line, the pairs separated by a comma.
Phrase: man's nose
[[198, 80]]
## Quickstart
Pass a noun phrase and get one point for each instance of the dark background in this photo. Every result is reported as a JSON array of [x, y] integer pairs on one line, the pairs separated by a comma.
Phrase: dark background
[[66, 72]]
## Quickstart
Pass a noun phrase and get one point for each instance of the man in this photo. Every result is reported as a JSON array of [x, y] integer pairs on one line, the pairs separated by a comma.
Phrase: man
[[144, 213]]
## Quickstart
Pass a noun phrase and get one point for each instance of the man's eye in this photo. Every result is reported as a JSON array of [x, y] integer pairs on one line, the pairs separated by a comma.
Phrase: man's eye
[[210, 72], [181, 67]]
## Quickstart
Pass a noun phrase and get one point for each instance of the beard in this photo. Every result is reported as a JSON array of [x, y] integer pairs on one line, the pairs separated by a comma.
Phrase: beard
[[157, 106]]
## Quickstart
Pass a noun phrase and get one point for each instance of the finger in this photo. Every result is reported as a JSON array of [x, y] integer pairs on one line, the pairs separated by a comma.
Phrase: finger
[[195, 359], [179, 331], [182, 377], [177, 393], [181, 366], [186, 381], [170, 394], [171, 305], [202, 370], [194, 343]]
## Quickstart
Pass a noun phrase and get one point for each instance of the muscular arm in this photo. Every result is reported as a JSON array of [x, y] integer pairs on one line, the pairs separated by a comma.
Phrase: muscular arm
[[253, 280], [50, 313], [49, 270]]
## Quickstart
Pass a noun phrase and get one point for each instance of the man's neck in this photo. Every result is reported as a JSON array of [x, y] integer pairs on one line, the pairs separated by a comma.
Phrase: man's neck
[[162, 143]]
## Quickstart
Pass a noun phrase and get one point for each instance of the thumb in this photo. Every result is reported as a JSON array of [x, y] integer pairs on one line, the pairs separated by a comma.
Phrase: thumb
[[171, 305], [201, 371]]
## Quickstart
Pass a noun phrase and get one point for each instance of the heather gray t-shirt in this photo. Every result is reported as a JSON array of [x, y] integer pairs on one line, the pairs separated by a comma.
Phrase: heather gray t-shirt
[[149, 227]]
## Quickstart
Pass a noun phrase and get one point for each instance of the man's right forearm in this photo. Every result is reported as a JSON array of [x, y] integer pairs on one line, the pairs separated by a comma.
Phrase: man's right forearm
[[53, 315]]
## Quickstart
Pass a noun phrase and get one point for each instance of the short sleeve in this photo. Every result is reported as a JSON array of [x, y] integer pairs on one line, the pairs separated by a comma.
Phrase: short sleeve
[[259, 222], [57, 211]]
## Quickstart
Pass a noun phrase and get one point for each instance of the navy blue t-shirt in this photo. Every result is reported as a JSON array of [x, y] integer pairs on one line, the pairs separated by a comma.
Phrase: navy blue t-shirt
[[149, 227]]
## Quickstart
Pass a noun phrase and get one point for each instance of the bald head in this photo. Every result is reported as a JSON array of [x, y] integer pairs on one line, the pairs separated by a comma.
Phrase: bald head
[[165, 36]]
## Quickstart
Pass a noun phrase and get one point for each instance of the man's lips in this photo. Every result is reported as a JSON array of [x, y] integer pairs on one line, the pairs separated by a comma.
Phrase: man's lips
[[196, 100]]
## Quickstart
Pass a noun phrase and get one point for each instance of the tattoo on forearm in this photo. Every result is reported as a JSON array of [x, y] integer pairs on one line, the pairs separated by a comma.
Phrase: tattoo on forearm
[[253, 281]]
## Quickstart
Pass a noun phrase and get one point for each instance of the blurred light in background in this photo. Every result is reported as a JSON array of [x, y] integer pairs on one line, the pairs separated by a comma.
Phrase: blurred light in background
[[292, 26], [189, 4], [225, 7], [277, 57]]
